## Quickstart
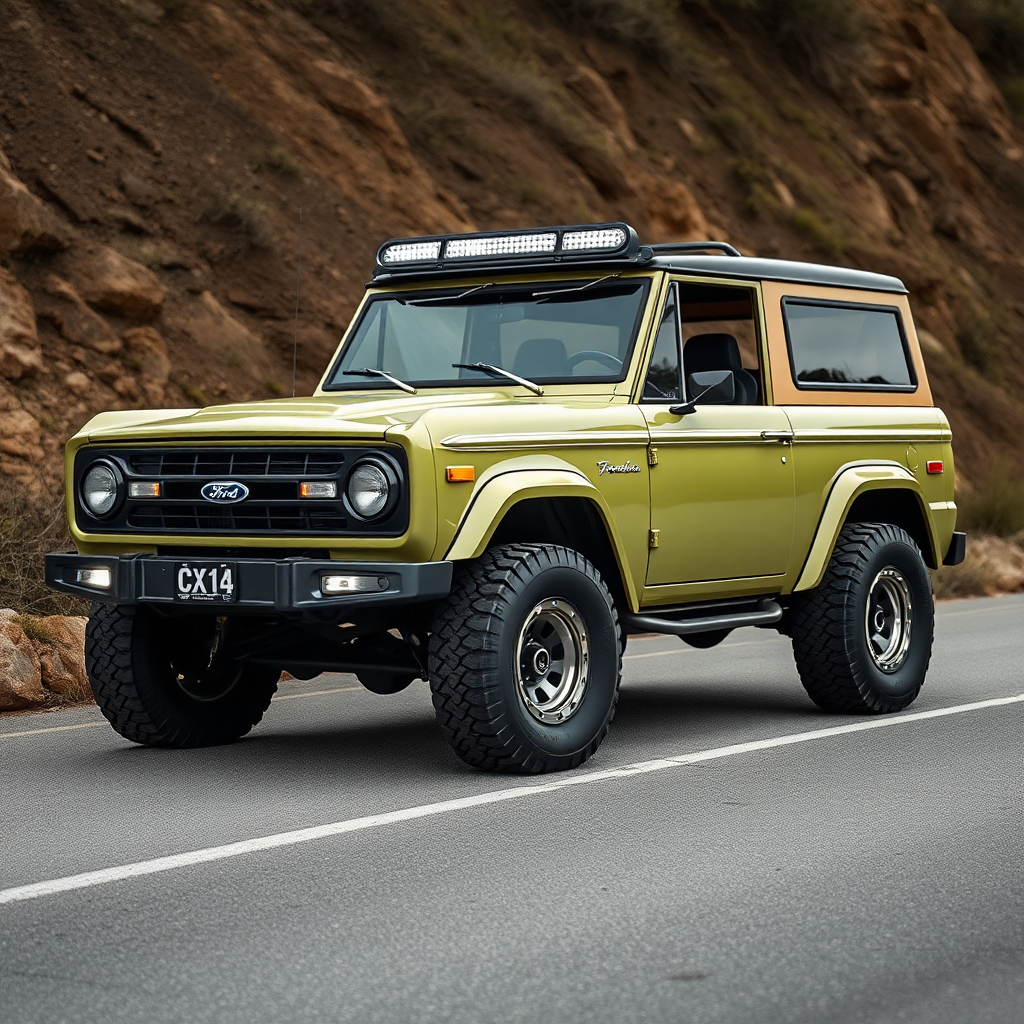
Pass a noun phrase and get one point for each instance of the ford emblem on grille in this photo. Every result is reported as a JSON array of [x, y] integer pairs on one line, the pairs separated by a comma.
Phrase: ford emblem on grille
[[224, 492]]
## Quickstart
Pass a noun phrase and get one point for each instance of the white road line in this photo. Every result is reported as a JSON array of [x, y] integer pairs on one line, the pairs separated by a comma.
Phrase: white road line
[[52, 728], [337, 828], [319, 693]]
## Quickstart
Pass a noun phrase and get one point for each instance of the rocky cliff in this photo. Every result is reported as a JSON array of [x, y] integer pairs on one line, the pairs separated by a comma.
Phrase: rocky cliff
[[156, 159]]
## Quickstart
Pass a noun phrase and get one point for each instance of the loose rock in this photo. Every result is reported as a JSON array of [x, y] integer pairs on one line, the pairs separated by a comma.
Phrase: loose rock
[[65, 308], [60, 645], [78, 383], [215, 328], [26, 225], [115, 284], [148, 353], [673, 211], [19, 344], [21, 684]]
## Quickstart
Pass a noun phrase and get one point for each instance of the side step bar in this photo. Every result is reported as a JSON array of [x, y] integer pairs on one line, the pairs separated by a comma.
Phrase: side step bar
[[767, 613]]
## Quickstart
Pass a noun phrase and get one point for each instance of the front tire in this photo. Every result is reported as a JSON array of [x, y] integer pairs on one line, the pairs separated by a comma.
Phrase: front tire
[[159, 680], [862, 639], [525, 660]]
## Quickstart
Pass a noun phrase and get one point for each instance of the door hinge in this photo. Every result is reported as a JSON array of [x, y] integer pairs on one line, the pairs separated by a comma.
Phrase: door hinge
[[653, 538], [652, 456]]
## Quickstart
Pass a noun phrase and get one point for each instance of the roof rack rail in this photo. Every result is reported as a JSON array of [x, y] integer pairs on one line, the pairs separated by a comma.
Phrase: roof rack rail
[[673, 247]]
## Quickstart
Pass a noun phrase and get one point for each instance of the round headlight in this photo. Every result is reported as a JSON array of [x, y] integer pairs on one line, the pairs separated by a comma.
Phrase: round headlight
[[368, 489], [100, 489]]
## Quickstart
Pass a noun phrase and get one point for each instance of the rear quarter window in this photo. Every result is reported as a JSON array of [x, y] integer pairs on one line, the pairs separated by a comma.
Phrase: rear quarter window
[[847, 347]]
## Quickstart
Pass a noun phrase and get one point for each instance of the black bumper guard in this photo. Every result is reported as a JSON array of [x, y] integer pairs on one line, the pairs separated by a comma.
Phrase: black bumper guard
[[264, 585], [957, 551]]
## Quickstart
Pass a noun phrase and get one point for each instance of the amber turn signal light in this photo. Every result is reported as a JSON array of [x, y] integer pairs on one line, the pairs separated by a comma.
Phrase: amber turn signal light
[[933, 467], [318, 489], [460, 474]]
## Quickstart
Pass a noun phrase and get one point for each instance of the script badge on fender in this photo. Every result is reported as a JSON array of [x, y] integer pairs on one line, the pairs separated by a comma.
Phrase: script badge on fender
[[610, 467]]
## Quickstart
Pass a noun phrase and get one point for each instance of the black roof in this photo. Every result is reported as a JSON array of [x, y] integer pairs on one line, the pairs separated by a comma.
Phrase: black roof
[[758, 268], [713, 259]]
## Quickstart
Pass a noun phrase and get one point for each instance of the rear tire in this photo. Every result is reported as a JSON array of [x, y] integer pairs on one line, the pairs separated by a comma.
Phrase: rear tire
[[159, 681], [525, 660], [862, 638]]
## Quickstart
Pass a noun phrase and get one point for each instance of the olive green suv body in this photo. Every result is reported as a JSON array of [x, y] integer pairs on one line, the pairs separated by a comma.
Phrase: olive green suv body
[[526, 447]]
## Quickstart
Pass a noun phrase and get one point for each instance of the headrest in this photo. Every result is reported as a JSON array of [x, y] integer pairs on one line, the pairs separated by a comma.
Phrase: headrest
[[712, 352], [541, 357]]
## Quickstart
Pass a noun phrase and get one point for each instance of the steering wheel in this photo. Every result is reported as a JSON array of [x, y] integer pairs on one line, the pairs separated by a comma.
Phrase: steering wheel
[[612, 362]]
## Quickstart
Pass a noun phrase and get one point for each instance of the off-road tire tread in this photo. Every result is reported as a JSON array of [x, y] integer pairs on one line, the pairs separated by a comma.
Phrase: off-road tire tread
[[109, 666], [825, 660], [462, 650]]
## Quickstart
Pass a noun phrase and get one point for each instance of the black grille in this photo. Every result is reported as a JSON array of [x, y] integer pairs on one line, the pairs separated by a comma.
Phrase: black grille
[[245, 518], [227, 462], [270, 474]]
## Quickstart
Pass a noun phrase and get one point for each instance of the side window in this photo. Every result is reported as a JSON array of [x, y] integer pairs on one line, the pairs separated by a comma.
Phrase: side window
[[664, 381], [847, 347], [720, 332]]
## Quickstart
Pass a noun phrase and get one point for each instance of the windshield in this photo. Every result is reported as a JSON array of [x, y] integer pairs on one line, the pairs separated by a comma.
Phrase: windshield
[[568, 332]]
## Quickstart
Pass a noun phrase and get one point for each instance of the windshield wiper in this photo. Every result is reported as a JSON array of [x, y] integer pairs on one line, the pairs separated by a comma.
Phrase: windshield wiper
[[543, 296], [500, 371], [447, 298], [371, 371]]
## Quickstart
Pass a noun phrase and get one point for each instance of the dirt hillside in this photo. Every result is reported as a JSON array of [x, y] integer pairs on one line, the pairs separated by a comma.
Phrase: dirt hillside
[[155, 158]]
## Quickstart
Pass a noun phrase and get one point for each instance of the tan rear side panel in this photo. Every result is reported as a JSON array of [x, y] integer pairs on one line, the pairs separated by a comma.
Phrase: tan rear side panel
[[785, 391]]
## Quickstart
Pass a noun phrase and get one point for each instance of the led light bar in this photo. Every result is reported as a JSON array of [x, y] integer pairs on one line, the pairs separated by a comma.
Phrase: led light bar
[[596, 238], [574, 242], [501, 245], [410, 252]]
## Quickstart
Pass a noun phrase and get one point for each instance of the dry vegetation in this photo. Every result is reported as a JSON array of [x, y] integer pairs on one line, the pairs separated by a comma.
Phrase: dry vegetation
[[29, 529], [993, 516], [648, 26], [996, 30], [245, 217]]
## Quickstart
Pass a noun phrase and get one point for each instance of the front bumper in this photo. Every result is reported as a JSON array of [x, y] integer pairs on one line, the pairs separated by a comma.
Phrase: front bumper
[[264, 585]]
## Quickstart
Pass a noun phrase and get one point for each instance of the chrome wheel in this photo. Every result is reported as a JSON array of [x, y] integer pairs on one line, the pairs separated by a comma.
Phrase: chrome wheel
[[888, 619], [552, 661]]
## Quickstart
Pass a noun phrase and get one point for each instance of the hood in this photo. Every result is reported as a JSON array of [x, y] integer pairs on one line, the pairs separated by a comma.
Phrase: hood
[[350, 416]]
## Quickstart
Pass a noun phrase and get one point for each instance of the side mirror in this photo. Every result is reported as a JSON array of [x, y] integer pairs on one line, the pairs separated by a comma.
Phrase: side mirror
[[707, 386]]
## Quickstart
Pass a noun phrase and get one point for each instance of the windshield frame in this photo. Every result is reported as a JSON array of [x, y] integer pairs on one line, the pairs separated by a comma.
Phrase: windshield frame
[[329, 385]]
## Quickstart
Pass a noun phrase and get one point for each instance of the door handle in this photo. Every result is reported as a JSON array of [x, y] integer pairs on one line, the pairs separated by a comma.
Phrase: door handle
[[785, 436]]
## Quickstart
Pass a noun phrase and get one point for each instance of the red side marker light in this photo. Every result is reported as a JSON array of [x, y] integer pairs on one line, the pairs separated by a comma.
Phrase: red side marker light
[[934, 467]]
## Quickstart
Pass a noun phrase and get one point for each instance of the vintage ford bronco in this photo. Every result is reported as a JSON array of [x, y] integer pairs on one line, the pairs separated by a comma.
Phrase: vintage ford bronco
[[529, 445]]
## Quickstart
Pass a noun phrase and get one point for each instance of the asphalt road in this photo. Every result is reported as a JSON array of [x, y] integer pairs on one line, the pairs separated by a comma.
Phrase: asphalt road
[[872, 875]]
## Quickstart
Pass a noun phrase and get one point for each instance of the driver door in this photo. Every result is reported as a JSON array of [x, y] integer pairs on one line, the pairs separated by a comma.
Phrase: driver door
[[722, 491]]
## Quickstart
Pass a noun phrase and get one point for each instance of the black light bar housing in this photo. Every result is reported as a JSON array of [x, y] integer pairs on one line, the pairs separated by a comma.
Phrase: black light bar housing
[[564, 244]]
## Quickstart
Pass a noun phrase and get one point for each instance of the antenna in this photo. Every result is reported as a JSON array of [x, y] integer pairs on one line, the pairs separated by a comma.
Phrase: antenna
[[298, 285]]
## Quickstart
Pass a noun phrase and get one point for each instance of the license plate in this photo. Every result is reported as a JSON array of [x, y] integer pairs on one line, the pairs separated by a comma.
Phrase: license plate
[[205, 582]]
